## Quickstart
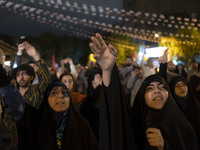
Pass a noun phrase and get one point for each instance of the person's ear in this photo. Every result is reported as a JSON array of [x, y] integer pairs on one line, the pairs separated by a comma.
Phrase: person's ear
[[32, 77]]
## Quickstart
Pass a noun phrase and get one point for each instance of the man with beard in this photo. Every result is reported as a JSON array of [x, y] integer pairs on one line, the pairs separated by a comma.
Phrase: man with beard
[[135, 82], [171, 68], [126, 70], [32, 96], [24, 77], [194, 82], [167, 69], [148, 68], [125, 73]]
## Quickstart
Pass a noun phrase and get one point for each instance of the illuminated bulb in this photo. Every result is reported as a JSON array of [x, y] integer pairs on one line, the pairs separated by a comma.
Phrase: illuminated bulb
[[156, 35]]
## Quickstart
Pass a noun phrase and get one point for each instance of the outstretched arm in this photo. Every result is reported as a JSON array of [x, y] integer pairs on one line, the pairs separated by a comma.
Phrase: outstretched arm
[[105, 56], [33, 94], [72, 68], [114, 122], [163, 65]]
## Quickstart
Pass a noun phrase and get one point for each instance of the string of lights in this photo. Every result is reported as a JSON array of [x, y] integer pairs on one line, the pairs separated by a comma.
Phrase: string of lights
[[59, 20], [123, 15]]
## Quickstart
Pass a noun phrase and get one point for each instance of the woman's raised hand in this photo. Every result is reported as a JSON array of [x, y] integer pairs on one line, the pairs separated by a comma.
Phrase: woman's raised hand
[[104, 54]]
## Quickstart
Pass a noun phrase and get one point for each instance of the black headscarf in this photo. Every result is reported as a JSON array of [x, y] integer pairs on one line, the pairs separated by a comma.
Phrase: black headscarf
[[192, 106], [181, 101], [68, 126], [59, 118], [177, 132]]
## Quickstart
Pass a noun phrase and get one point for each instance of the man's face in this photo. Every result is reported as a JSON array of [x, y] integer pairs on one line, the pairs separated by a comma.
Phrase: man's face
[[150, 63], [23, 79], [171, 67], [156, 95], [195, 65], [128, 61]]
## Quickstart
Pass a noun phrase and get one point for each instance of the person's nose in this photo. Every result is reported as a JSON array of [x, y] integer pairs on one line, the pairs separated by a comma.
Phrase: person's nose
[[60, 94], [182, 86], [20, 75], [157, 90], [68, 83]]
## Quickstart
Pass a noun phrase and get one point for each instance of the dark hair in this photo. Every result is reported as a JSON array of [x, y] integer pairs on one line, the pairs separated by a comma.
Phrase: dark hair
[[24, 67], [90, 74], [129, 57], [94, 71], [67, 74]]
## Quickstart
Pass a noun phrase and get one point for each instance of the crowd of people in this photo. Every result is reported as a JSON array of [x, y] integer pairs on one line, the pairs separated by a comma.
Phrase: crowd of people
[[102, 106]]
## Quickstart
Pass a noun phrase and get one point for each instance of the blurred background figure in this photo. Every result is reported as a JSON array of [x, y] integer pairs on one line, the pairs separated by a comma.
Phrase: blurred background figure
[[135, 82], [192, 69], [91, 104], [180, 70], [68, 79], [195, 83]]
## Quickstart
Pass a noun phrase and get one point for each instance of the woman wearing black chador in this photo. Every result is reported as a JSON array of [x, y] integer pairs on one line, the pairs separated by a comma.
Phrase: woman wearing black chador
[[155, 121], [186, 100]]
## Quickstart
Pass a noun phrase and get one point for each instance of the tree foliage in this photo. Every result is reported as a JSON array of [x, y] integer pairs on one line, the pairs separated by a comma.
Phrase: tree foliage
[[185, 46], [63, 47], [48, 45], [125, 47]]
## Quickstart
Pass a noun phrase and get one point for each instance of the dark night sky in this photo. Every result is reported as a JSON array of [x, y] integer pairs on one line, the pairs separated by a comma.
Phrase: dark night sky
[[17, 25]]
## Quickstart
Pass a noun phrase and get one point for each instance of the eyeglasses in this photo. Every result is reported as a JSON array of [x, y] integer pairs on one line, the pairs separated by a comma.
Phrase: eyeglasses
[[57, 93]]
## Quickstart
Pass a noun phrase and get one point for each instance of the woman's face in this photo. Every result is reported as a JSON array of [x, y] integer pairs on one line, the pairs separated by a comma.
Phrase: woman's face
[[156, 95], [180, 67], [59, 99], [181, 89], [68, 81]]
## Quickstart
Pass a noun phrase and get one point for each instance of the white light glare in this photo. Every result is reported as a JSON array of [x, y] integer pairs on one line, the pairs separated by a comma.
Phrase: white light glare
[[154, 52], [7, 63], [156, 35]]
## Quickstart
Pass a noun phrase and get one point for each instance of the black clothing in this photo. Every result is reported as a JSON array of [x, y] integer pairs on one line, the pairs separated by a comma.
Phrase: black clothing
[[77, 134], [4, 80], [165, 74], [176, 130], [194, 83], [42, 129], [90, 110], [7, 93], [189, 104], [124, 129], [27, 129], [181, 72], [115, 128]]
